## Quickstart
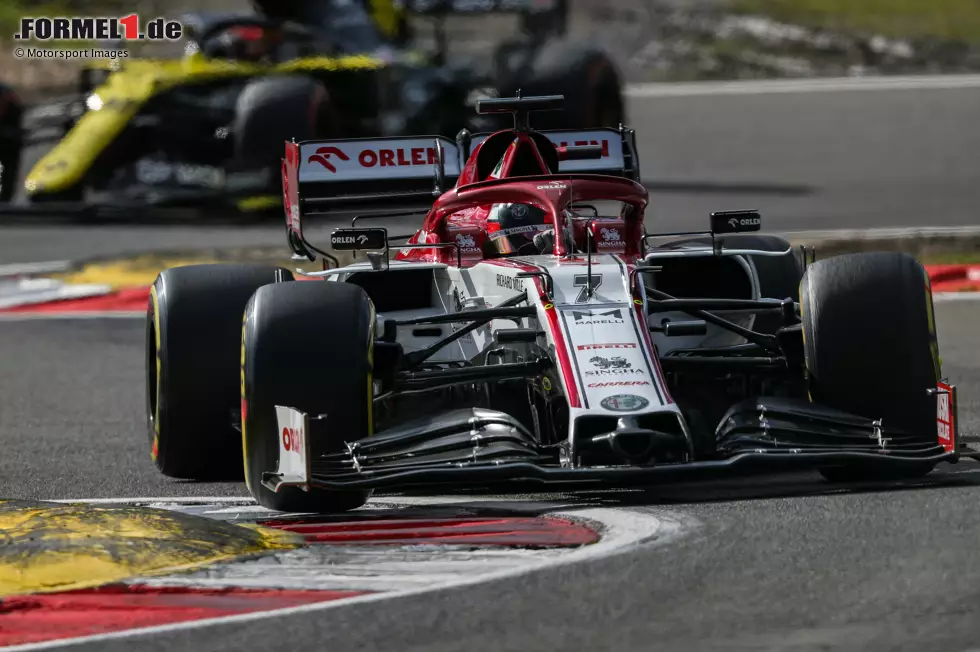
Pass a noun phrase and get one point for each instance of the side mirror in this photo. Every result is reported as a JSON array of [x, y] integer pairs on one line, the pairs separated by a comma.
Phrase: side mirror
[[736, 222]]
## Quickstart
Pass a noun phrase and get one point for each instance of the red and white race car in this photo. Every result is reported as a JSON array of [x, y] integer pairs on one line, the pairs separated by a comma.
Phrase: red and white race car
[[530, 332]]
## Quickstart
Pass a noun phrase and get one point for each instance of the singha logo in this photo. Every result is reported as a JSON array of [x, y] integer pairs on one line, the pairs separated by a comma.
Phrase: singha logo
[[465, 241], [610, 235], [610, 363]]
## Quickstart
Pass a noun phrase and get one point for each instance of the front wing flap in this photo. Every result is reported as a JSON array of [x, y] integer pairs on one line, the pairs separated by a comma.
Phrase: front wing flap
[[479, 447]]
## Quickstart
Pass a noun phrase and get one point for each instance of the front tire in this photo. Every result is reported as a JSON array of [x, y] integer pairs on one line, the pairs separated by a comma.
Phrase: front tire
[[871, 347], [193, 338], [307, 346]]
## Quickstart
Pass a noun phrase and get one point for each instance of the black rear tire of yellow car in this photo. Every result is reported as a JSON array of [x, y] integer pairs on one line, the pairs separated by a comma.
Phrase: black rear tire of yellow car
[[11, 143], [586, 76], [871, 348], [193, 353], [272, 110], [307, 346]]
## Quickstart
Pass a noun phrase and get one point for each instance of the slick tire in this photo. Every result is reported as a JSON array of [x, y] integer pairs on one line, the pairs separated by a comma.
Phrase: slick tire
[[779, 276], [586, 76], [272, 110], [871, 348], [193, 345], [307, 346]]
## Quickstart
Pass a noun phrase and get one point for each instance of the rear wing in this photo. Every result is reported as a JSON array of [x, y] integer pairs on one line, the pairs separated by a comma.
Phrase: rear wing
[[408, 173]]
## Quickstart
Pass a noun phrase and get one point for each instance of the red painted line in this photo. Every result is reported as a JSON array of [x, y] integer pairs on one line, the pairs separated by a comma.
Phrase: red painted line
[[512, 532], [120, 301], [954, 278], [58, 616]]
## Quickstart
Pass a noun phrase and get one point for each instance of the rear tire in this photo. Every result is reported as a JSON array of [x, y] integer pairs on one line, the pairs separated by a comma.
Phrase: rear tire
[[307, 346], [871, 348], [586, 76], [193, 344], [11, 143], [271, 111]]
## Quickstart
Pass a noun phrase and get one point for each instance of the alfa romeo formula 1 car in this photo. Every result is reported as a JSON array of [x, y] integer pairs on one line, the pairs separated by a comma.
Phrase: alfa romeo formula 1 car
[[205, 130], [530, 332]]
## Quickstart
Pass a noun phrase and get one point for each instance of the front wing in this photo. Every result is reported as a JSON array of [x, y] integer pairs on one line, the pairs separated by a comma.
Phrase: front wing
[[481, 448]]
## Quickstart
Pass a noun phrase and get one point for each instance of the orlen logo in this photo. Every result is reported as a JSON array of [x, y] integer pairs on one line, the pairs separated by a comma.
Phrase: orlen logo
[[398, 157], [369, 158], [583, 143], [323, 155], [736, 222], [292, 439]]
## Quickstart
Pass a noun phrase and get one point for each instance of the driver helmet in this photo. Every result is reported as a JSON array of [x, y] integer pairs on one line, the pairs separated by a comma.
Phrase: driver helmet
[[511, 228], [241, 43]]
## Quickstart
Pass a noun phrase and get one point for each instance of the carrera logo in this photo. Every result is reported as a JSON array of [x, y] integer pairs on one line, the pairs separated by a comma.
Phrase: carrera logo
[[292, 439], [598, 317], [323, 154], [618, 383], [591, 347]]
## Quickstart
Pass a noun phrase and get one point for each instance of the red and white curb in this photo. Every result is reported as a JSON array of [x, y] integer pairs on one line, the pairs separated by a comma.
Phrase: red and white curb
[[458, 541]]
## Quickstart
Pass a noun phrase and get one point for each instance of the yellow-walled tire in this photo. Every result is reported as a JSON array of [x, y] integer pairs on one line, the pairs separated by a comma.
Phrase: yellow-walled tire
[[307, 346], [193, 338], [870, 345]]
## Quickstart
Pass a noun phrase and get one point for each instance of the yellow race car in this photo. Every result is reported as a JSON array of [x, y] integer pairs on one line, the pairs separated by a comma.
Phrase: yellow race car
[[206, 129]]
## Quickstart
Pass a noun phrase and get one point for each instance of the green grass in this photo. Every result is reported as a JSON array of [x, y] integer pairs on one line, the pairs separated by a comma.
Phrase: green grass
[[945, 19]]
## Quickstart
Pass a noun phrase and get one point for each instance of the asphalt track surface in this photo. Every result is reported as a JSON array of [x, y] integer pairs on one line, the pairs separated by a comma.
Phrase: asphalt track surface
[[777, 564]]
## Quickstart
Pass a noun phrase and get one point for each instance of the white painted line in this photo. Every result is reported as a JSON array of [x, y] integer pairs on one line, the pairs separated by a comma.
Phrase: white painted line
[[95, 314], [942, 297], [24, 269], [622, 531], [784, 86], [34, 291], [885, 233]]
